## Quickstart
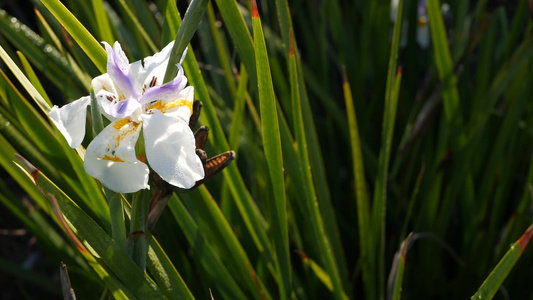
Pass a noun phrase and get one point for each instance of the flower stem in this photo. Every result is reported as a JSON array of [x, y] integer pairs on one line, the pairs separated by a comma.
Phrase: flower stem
[[137, 247], [98, 124], [116, 212], [191, 20]]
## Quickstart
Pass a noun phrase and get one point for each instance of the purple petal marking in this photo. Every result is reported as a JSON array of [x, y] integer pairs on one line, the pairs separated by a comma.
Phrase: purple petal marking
[[120, 109], [119, 69], [167, 91]]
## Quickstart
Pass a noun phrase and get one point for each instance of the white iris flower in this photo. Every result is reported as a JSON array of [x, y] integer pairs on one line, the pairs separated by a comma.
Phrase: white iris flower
[[133, 96]]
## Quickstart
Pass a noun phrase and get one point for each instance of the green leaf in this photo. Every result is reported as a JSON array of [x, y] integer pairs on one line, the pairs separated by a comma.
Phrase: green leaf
[[191, 20], [138, 26], [102, 22], [165, 274], [45, 107], [45, 57], [492, 283], [52, 145], [238, 111], [253, 219], [87, 42], [320, 273], [240, 34], [207, 256], [171, 23], [377, 252], [273, 154], [444, 64], [218, 232], [33, 78], [316, 162], [312, 211], [363, 211], [397, 270], [95, 240]]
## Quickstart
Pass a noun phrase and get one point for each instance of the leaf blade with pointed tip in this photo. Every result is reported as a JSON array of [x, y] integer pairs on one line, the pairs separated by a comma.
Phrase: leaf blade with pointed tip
[[492, 283], [273, 154]]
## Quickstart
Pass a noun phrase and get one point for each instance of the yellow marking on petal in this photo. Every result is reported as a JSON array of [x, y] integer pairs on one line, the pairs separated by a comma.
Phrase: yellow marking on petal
[[121, 123], [120, 126], [114, 158], [164, 107]]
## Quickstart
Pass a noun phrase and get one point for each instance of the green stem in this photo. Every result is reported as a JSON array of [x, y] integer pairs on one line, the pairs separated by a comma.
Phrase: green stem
[[137, 247], [96, 116], [188, 27], [116, 212]]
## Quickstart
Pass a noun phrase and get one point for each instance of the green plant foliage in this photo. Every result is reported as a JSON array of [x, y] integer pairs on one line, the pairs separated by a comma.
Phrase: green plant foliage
[[383, 150]]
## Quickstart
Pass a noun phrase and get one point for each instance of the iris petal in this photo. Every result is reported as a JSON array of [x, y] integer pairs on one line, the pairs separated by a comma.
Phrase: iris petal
[[70, 120], [117, 109], [111, 159], [119, 71], [180, 106], [168, 91], [171, 149], [151, 70]]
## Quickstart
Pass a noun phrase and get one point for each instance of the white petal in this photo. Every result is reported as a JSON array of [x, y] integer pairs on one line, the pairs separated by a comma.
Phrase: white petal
[[151, 71], [118, 70], [171, 149], [111, 159], [104, 83], [70, 120], [181, 105], [184, 111]]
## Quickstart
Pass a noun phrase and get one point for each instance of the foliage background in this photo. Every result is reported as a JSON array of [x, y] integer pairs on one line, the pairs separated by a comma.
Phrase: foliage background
[[441, 148]]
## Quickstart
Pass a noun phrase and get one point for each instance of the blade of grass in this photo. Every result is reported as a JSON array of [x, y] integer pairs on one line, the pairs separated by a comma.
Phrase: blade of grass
[[42, 55], [379, 209], [315, 157], [320, 273], [87, 42], [495, 279], [218, 232], [239, 33], [102, 22], [82, 76], [311, 200], [444, 63], [138, 27], [49, 142], [146, 14], [397, 270], [33, 78], [221, 51], [188, 26], [41, 102], [171, 22], [207, 256], [94, 239], [273, 154], [164, 273], [249, 211], [363, 211], [238, 111]]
